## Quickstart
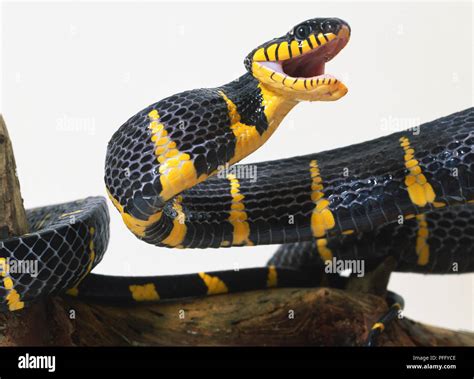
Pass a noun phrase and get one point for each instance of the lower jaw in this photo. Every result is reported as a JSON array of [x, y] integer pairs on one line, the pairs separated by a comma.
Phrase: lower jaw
[[322, 93], [321, 88], [324, 87]]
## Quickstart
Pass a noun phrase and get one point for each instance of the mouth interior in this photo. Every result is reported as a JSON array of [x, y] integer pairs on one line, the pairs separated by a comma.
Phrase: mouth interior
[[310, 64]]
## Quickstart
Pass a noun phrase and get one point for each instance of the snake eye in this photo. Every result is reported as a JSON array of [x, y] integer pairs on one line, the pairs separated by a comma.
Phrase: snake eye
[[327, 27], [302, 31]]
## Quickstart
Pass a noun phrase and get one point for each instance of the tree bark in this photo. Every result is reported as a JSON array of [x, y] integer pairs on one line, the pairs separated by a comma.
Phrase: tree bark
[[12, 213], [279, 317], [287, 316]]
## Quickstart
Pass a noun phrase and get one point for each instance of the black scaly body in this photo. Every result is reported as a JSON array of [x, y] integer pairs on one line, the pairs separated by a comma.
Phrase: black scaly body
[[65, 242], [371, 195]]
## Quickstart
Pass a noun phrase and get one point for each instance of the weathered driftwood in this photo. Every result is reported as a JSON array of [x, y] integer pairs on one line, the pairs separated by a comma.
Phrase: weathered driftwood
[[291, 316], [12, 213], [280, 317]]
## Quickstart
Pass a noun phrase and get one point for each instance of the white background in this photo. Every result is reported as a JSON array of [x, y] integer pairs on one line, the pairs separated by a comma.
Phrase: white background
[[73, 73]]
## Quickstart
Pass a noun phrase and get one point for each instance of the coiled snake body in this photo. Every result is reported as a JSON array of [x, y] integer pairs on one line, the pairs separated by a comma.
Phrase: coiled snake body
[[406, 195]]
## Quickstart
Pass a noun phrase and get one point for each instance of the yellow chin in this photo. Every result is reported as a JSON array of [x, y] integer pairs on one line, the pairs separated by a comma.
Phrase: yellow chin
[[299, 89]]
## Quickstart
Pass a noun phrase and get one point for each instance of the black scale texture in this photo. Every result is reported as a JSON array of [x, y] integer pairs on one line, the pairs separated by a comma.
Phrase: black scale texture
[[197, 121], [451, 240], [372, 195], [60, 245]]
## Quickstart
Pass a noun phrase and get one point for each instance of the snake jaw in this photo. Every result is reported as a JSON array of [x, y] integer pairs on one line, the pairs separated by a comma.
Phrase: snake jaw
[[300, 74]]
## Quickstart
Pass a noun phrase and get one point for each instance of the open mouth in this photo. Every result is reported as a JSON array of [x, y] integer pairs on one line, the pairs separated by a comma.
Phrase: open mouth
[[311, 64]]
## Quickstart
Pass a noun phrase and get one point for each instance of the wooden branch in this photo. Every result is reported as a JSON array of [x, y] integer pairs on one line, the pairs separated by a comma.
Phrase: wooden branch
[[13, 220], [12, 213], [322, 317], [290, 316]]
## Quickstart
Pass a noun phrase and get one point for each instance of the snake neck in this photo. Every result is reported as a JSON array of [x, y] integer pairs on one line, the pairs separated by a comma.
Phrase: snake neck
[[255, 112]]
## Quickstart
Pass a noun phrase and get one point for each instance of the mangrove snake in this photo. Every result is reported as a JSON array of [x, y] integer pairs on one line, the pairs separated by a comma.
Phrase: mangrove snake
[[405, 195]]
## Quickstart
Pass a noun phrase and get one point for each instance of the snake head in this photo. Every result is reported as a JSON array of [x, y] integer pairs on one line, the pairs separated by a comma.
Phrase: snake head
[[293, 65]]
